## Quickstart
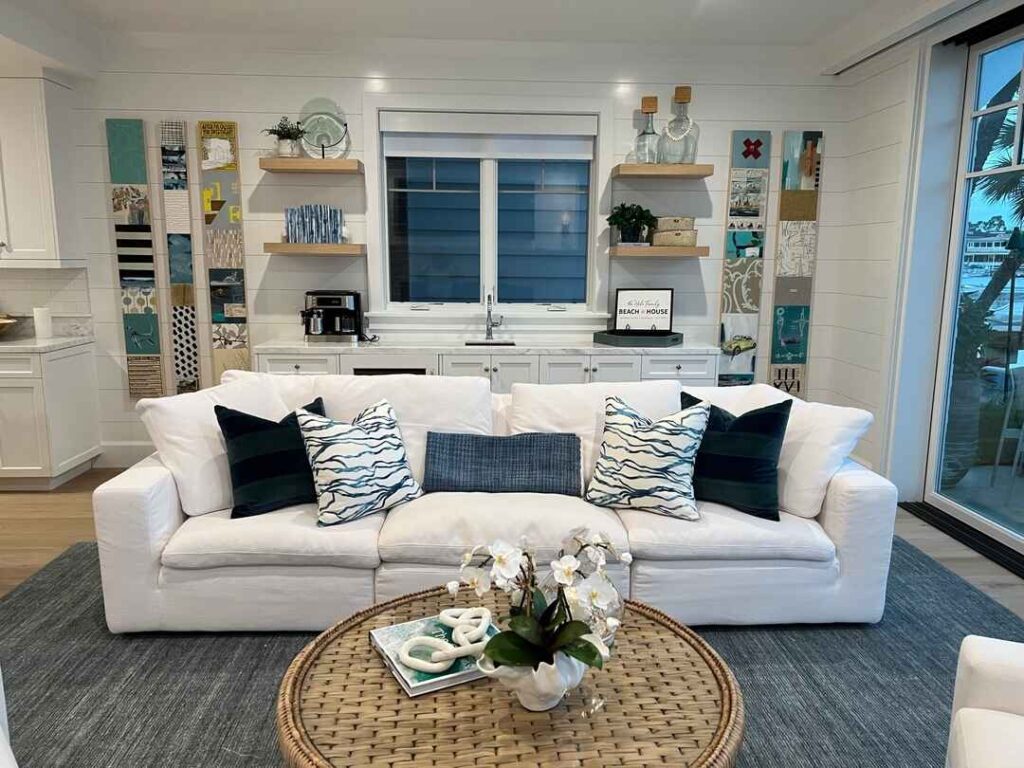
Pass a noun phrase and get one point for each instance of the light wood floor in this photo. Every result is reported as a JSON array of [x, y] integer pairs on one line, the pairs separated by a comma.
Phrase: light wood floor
[[36, 527]]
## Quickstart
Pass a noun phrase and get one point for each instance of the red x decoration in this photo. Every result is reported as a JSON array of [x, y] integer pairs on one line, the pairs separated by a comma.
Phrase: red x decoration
[[752, 149]]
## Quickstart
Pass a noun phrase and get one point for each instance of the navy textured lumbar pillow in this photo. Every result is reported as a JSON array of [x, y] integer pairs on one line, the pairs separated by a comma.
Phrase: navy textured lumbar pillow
[[267, 459], [531, 462], [738, 459]]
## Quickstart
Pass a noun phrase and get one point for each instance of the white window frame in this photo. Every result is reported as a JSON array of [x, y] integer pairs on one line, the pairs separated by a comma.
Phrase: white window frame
[[462, 317], [952, 290]]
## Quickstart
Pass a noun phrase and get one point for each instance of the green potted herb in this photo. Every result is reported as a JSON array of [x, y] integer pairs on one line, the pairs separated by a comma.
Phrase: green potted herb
[[288, 135], [632, 220]]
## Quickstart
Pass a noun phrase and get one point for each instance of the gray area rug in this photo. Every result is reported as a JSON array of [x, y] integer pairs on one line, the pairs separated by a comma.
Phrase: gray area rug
[[815, 696]]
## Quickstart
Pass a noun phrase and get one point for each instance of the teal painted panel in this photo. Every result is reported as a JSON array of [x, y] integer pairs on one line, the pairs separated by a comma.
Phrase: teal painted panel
[[126, 150]]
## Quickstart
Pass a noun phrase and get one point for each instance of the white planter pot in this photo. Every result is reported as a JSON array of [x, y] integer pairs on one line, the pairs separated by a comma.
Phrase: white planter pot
[[289, 148], [542, 688]]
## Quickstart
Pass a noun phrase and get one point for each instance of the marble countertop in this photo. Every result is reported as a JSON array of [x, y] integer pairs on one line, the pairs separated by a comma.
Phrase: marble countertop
[[39, 346], [288, 347]]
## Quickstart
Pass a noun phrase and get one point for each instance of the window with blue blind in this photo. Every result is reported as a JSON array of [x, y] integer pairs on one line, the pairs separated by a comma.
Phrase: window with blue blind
[[543, 213], [433, 229]]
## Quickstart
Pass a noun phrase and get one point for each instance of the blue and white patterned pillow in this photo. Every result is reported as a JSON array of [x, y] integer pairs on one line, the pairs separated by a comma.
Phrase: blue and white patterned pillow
[[648, 464], [358, 468]]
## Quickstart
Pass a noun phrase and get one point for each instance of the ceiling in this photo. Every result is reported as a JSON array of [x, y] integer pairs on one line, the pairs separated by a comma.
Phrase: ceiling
[[753, 22]]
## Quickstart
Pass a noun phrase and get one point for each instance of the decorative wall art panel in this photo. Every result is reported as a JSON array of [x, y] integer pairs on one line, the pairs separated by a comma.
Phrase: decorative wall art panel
[[178, 225], [741, 286], [788, 378], [224, 244], [796, 260], [743, 267], [791, 327], [133, 243]]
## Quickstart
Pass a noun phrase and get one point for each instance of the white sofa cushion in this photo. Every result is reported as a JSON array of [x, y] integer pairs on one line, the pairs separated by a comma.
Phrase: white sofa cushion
[[985, 738], [440, 527], [723, 533], [579, 408], [818, 439], [287, 536], [421, 403], [186, 434]]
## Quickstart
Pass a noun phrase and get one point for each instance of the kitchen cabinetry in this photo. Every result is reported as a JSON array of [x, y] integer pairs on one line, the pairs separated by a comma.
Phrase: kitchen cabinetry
[[502, 370], [583, 369], [49, 416], [38, 220]]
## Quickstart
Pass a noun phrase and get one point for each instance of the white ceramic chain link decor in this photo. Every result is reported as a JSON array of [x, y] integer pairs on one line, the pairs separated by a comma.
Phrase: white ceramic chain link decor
[[469, 627]]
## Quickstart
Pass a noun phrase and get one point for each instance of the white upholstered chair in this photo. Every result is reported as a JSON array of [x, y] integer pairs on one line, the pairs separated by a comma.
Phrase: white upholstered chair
[[6, 756], [987, 726]]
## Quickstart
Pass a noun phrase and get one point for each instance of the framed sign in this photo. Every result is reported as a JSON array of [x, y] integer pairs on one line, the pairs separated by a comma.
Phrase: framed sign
[[643, 310]]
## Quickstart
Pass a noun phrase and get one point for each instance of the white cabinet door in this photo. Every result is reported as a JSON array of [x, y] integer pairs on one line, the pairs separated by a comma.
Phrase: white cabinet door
[[301, 365], [72, 408], [565, 369], [686, 368], [26, 197], [615, 368], [507, 370], [24, 448], [467, 365]]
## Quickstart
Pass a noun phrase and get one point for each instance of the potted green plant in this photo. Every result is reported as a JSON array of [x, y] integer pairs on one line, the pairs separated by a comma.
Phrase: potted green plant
[[288, 135], [633, 221], [558, 624]]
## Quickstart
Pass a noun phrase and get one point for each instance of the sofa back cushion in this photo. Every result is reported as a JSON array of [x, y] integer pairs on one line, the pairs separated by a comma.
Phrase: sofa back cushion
[[819, 437], [421, 403], [579, 408], [186, 435]]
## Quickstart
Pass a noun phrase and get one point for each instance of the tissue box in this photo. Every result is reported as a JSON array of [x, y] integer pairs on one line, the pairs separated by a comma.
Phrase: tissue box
[[686, 237], [675, 223]]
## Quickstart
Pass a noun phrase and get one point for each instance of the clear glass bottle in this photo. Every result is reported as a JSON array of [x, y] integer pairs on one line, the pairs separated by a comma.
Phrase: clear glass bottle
[[647, 139], [678, 143]]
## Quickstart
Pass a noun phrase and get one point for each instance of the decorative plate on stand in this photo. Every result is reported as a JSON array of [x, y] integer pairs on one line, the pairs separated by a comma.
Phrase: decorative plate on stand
[[326, 135]]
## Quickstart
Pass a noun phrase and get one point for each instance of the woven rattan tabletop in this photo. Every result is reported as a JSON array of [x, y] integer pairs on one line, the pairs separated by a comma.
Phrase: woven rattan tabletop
[[664, 698]]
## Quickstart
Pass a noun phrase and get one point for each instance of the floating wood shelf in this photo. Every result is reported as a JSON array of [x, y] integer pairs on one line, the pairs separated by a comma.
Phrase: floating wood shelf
[[663, 170], [311, 165], [660, 251], [315, 249]]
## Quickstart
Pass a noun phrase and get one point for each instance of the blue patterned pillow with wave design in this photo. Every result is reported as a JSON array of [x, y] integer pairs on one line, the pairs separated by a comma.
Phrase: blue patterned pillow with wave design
[[358, 468], [648, 465]]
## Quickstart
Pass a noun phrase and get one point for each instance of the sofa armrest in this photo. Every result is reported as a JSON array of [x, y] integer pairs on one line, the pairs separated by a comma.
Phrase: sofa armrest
[[990, 675], [136, 513], [859, 514]]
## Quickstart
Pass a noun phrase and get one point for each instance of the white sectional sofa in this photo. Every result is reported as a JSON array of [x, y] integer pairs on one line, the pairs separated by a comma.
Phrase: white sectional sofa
[[163, 569]]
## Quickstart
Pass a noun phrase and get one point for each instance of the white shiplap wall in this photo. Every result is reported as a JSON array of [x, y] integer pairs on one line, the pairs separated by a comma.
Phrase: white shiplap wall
[[740, 88], [855, 289]]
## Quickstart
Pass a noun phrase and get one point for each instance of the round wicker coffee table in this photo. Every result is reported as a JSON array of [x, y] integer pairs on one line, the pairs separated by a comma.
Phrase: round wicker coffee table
[[665, 698]]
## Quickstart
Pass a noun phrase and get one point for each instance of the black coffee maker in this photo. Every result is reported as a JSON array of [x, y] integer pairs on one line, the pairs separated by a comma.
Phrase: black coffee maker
[[333, 316]]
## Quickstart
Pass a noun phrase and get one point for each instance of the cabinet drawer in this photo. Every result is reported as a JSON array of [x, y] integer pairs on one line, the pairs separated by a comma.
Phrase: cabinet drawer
[[21, 366], [304, 365], [683, 367]]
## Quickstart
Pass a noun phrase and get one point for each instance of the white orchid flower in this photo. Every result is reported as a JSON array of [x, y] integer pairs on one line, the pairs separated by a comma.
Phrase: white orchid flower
[[452, 587], [573, 540], [626, 558], [476, 579], [596, 555], [564, 569], [508, 560], [578, 608], [612, 623], [598, 592]]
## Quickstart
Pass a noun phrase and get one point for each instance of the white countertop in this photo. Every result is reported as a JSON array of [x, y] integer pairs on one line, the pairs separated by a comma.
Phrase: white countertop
[[39, 346], [288, 347]]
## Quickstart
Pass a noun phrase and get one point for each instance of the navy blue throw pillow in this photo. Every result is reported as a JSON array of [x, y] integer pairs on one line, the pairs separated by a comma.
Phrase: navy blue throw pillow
[[738, 459], [267, 460], [532, 462]]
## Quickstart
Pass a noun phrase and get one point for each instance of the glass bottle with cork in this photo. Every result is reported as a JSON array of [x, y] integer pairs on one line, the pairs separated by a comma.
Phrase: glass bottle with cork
[[647, 139], [678, 143]]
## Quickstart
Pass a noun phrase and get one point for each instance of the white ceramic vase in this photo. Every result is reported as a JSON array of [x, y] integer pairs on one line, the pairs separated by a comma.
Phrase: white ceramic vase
[[542, 688], [288, 148]]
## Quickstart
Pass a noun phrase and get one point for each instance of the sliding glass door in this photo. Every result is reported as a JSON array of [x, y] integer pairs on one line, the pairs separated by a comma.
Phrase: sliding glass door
[[976, 468]]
